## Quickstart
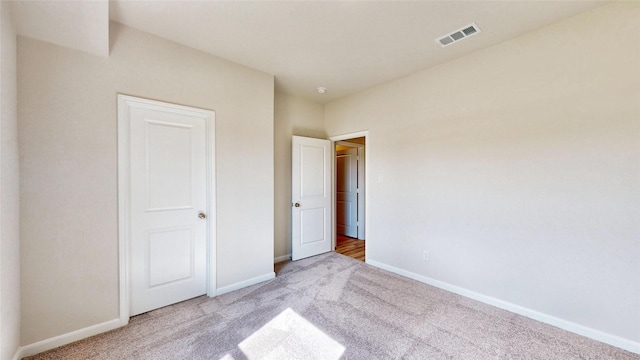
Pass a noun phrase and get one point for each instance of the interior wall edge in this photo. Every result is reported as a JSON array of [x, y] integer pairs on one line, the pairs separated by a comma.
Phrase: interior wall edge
[[10, 272], [282, 258], [243, 284]]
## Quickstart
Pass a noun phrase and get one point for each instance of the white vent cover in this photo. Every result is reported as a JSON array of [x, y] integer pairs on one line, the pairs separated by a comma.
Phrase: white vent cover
[[458, 35]]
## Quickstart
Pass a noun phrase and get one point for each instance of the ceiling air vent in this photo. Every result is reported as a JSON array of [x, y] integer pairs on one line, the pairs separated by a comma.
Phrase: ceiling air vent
[[458, 35]]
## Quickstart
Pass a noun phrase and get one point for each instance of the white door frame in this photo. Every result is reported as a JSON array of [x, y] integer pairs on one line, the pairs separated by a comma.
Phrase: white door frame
[[348, 136], [124, 192]]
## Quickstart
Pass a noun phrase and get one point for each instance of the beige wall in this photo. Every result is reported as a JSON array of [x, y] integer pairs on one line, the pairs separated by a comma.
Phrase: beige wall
[[68, 153], [518, 168], [293, 116], [9, 193]]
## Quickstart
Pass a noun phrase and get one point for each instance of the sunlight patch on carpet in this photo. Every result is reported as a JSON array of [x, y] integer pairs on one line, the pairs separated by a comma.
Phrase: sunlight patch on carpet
[[290, 336]]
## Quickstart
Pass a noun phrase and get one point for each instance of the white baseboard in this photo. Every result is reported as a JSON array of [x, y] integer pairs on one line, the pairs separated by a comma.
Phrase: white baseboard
[[48, 344], [64, 339], [19, 354], [545, 318], [52, 343], [245, 283], [281, 258]]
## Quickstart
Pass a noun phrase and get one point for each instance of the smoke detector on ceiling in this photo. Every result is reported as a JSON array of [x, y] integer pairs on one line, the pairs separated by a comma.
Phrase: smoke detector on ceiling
[[458, 35]]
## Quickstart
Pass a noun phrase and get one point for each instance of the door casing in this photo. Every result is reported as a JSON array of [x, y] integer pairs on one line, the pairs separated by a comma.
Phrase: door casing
[[124, 194], [344, 137]]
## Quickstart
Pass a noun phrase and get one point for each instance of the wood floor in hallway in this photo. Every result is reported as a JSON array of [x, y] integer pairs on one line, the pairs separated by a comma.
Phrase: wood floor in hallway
[[350, 247]]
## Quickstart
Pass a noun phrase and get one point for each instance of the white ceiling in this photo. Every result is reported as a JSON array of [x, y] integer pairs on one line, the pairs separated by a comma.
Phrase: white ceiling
[[345, 46]]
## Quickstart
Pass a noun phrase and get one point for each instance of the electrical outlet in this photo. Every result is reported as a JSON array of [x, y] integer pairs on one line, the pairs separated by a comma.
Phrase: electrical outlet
[[425, 255]]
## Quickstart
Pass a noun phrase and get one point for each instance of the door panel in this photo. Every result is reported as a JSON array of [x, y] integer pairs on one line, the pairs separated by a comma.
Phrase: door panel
[[312, 168], [312, 225], [311, 191], [168, 161], [170, 255]]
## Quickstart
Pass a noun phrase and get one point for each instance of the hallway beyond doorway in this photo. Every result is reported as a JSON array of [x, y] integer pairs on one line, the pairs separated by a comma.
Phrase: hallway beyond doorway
[[350, 247]]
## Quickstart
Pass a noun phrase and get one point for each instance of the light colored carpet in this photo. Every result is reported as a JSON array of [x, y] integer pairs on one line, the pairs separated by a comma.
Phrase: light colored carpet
[[330, 307]]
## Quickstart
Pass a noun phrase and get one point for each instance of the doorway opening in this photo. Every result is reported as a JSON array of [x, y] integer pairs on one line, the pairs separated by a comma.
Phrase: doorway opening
[[350, 179]]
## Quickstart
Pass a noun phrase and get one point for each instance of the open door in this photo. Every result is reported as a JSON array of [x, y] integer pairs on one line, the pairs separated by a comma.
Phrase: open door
[[347, 192], [311, 174]]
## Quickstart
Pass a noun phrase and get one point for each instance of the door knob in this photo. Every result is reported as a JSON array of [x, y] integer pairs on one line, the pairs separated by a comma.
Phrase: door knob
[[202, 216], [296, 204]]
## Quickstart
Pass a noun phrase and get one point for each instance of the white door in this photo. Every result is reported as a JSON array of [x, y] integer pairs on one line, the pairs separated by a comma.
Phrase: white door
[[311, 197], [168, 207], [347, 192]]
